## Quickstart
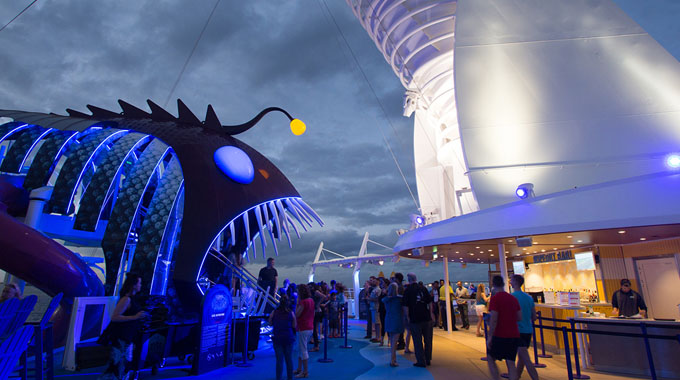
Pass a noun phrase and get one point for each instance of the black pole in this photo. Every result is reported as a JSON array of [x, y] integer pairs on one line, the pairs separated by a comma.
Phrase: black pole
[[566, 352], [325, 358], [345, 327], [540, 329], [486, 336], [576, 361], [643, 327], [245, 345], [536, 363]]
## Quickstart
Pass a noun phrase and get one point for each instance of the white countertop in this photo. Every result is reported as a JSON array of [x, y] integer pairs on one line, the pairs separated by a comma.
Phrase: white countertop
[[628, 320]]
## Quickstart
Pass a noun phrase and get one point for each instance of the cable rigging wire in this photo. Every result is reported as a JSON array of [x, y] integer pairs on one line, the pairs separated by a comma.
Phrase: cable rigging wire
[[191, 54], [389, 147], [17, 16]]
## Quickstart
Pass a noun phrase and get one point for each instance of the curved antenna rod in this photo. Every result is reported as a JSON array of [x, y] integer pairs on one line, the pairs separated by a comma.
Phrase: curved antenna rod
[[236, 129]]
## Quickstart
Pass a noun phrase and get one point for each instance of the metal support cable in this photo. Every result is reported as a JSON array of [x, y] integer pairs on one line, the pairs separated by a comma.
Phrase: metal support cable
[[389, 147], [17, 16], [191, 54]]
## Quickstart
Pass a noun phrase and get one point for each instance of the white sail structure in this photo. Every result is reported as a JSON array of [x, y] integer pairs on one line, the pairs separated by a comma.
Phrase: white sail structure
[[417, 40], [559, 94]]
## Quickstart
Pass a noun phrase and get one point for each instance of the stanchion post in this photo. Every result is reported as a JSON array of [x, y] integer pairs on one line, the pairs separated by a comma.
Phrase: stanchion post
[[576, 360], [643, 327], [325, 358], [570, 375], [540, 330], [536, 363], [345, 327], [486, 336], [244, 363]]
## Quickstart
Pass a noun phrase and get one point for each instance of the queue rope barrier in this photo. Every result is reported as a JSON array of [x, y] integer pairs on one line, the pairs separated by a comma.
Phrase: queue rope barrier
[[486, 336], [540, 323], [536, 363], [576, 361], [610, 333], [643, 327], [570, 374], [325, 358], [244, 362], [346, 345]]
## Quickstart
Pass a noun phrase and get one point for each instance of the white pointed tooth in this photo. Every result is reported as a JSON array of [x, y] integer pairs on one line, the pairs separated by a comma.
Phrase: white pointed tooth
[[301, 212], [294, 227], [311, 211], [263, 241], [233, 233], [271, 235], [272, 208], [291, 208], [284, 222], [246, 223]]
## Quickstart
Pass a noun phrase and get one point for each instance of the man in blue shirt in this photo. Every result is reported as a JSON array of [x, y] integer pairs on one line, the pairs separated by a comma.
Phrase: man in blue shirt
[[525, 325]]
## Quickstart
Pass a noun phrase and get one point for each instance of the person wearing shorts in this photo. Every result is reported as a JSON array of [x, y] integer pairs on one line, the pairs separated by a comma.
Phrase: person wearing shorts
[[503, 330], [304, 312], [525, 326]]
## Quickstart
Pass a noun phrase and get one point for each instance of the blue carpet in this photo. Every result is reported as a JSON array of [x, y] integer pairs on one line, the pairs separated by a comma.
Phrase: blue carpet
[[348, 364]]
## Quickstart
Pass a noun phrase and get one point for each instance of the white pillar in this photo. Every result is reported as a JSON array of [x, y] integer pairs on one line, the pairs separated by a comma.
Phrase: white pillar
[[503, 265], [447, 294], [316, 259]]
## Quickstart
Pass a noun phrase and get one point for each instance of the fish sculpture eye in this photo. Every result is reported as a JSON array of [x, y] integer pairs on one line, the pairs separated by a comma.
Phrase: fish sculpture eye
[[235, 164]]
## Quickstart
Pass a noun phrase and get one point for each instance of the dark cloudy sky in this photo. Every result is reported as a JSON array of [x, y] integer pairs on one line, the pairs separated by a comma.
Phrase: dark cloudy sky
[[253, 54]]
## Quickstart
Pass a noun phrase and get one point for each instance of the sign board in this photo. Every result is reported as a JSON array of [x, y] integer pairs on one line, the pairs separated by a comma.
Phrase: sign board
[[213, 346], [554, 256]]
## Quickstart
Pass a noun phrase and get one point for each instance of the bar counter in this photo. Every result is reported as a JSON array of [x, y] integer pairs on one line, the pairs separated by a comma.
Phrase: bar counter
[[628, 355]]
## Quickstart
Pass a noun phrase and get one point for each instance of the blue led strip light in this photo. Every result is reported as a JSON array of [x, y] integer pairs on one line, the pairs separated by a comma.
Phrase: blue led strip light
[[126, 209], [7, 129], [25, 142], [80, 157], [45, 160], [104, 181], [294, 205], [155, 224]]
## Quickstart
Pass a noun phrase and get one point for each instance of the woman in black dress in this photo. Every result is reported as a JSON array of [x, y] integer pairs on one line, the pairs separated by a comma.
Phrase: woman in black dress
[[124, 326]]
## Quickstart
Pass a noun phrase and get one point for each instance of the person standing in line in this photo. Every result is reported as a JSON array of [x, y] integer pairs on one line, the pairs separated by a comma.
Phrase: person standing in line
[[374, 299], [480, 307], [284, 323], [626, 302], [284, 289], [401, 343], [417, 305], [304, 312], [503, 331], [526, 304], [461, 299], [364, 298], [268, 278], [434, 293], [394, 319], [382, 311], [442, 306]]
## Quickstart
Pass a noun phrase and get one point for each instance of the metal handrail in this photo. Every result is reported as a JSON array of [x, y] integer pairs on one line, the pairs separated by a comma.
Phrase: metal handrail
[[247, 277]]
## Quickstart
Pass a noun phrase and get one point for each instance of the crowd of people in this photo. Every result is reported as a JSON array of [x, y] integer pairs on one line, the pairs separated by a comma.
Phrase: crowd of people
[[404, 312]]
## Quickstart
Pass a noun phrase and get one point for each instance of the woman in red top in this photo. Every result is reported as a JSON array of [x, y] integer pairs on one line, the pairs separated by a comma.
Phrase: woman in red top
[[304, 312]]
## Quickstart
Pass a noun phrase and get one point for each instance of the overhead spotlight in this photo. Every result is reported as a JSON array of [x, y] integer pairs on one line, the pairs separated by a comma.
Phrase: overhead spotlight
[[673, 161], [417, 221], [525, 190]]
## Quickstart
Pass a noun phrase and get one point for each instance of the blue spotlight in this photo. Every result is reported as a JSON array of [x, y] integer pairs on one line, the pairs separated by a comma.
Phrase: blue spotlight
[[673, 161], [525, 190]]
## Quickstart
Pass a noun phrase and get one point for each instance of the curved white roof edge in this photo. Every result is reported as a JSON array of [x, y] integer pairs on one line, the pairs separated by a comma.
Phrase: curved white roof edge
[[632, 202]]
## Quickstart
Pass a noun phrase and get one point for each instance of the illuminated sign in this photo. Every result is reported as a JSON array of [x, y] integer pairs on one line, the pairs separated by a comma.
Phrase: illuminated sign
[[554, 256]]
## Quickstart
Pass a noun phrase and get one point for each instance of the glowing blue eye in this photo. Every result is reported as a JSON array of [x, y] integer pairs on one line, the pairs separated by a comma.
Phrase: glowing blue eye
[[235, 163]]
